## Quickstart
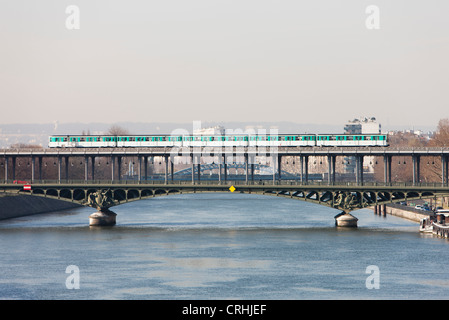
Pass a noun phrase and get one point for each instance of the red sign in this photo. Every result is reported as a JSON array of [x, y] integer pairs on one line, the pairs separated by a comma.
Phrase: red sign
[[27, 187]]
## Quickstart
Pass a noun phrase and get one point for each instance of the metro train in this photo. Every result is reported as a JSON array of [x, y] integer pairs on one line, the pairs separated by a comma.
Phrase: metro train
[[242, 140]]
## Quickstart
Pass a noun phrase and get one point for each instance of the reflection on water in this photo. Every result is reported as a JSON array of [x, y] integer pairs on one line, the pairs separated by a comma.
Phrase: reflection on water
[[219, 246]]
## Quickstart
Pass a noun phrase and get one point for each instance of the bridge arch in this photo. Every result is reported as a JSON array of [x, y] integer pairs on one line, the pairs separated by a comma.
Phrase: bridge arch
[[79, 194], [146, 193], [119, 195], [52, 192], [356, 197], [66, 194], [133, 194]]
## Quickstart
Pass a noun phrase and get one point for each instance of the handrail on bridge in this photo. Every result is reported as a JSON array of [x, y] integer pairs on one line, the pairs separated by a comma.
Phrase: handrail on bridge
[[228, 182]]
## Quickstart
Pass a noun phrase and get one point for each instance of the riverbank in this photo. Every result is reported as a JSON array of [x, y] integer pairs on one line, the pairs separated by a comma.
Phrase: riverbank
[[405, 212], [13, 206]]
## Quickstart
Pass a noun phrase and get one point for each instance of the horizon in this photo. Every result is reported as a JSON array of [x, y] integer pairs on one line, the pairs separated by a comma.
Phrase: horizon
[[251, 61]]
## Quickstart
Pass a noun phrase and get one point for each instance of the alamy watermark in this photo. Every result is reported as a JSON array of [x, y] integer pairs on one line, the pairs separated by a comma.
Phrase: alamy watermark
[[73, 280], [373, 280], [72, 21], [252, 146], [372, 22]]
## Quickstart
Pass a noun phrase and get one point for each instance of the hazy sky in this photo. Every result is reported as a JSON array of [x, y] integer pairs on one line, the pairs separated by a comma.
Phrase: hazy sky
[[224, 60]]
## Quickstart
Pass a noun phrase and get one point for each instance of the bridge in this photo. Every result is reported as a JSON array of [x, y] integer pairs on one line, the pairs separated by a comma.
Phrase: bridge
[[345, 196], [221, 157]]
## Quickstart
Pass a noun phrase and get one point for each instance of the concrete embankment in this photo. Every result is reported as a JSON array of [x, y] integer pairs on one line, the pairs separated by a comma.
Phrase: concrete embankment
[[404, 212], [13, 206]]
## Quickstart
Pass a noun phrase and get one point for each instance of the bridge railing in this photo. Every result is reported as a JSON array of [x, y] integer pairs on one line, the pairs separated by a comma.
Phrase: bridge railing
[[228, 182]]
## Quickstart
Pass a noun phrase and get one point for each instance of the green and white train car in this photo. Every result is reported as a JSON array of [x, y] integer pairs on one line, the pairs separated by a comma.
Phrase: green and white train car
[[283, 140]]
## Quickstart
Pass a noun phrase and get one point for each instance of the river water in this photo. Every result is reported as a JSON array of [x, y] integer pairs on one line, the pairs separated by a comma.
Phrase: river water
[[220, 246]]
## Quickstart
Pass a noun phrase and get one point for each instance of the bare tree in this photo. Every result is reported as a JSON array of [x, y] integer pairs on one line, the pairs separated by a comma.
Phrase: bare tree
[[116, 130], [441, 138]]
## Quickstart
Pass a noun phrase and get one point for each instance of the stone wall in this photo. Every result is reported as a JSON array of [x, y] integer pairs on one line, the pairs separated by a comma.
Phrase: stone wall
[[406, 212], [13, 206]]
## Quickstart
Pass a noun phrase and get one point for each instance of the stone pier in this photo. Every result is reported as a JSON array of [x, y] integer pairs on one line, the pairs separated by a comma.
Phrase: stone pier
[[102, 218], [345, 219]]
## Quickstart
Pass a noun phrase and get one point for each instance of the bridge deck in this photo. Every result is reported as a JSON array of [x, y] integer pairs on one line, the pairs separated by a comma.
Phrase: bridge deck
[[348, 196], [283, 151]]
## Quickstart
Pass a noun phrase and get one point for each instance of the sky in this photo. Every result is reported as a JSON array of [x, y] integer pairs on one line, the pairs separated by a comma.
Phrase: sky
[[224, 60]]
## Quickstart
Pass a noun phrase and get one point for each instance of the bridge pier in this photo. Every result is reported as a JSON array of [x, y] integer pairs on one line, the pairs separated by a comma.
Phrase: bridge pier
[[345, 219], [102, 218]]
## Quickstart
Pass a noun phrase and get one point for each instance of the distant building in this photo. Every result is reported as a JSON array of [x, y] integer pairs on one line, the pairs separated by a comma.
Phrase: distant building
[[361, 126], [211, 131]]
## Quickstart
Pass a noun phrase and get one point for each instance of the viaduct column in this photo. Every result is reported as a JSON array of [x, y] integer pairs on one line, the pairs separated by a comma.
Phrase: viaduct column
[[93, 167], [193, 168], [360, 169], [119, 167], [246, 167], [220, 156], [66, 159], [13, 168], [112, 168], [306, 169], [166, 169], [86, 167], [416, 169], [33, 162], [139, 168], [279, 167], [172, 168], [145, 163], [387, 169], [59, 168], [225, 168], [444, 170], [331, 169], [253, 159], [6, 169], [40, 168]]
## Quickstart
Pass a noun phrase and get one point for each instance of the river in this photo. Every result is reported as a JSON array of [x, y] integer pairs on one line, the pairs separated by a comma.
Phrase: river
[[220, 246]]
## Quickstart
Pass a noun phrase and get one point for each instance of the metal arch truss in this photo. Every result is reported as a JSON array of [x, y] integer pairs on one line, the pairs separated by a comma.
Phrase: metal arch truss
[[343, 197], [213, 166]]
